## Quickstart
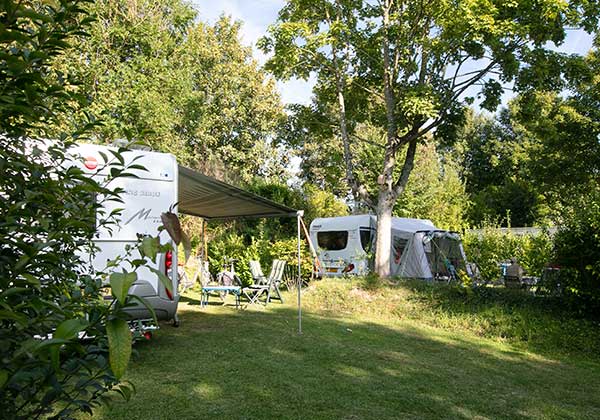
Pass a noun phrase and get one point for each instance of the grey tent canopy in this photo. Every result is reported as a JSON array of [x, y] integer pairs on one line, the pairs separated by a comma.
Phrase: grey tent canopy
[[209, 198]]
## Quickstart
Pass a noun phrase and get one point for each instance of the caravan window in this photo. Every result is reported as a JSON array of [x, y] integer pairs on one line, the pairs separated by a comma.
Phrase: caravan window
[[366, 238], [332, 240]]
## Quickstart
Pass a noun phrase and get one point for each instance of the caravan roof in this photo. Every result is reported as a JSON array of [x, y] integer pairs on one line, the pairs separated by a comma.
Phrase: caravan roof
[[345, 222], [405, 224]]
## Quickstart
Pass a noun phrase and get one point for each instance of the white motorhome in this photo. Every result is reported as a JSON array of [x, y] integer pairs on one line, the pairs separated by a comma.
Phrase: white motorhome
[[152, 192], [345, 246]]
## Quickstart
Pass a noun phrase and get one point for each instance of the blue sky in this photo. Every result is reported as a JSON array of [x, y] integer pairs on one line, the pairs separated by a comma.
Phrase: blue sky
[[257, 15]]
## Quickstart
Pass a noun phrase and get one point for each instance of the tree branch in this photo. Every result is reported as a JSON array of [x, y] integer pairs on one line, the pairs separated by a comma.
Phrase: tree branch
[[407, 168], [358, 190]]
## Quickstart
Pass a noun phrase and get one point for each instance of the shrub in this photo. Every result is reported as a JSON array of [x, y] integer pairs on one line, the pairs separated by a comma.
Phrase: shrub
[[287, 250], [577, 247], [233, 245], [62, 346], [492, 246]]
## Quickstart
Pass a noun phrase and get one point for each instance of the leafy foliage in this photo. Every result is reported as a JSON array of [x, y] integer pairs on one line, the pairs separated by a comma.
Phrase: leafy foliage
[[495, 157], [53, 334], [492, 246], [435, 191], [158, 75], [264, 251], [577, 246]]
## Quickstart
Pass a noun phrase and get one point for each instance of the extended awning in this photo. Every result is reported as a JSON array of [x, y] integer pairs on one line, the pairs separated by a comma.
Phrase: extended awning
[[209, 198]]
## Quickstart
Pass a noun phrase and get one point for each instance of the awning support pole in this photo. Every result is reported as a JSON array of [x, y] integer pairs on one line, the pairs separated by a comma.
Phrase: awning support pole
[[299, 215]]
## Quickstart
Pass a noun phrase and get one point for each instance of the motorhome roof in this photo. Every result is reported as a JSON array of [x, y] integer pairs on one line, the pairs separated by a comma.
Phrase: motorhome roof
[[345, 222]]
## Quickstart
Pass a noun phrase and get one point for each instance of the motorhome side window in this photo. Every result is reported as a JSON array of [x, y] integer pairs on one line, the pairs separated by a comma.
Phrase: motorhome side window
[[366, 238], [332, 240]]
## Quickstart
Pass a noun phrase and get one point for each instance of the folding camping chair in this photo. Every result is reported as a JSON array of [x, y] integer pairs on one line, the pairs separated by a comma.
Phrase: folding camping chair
[[201, 274], [257, 275], [184, 280], [255, 291]]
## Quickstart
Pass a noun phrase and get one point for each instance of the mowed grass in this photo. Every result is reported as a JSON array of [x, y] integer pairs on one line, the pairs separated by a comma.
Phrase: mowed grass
[[252, 364]]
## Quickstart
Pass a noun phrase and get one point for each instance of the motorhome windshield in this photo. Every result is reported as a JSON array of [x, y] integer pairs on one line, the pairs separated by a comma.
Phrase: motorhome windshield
[[333, 240]]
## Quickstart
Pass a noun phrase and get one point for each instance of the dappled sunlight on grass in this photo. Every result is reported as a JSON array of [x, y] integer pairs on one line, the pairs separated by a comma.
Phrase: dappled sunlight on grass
[[251, 363], [208, 391], [353, 372]]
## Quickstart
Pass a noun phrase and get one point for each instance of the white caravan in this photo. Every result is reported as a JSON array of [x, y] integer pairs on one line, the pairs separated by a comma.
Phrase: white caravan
[[419, 250], [152, 192]]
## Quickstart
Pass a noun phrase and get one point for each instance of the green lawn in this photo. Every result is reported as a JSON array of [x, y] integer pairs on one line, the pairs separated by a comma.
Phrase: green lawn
[[252, 364]]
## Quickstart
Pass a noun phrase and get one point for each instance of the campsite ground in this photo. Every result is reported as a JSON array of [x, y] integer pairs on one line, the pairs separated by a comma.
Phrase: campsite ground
[[394, 360]]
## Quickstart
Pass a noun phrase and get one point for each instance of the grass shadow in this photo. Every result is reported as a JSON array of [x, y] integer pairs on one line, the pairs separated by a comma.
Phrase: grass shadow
[[253, 364], [540, 324]]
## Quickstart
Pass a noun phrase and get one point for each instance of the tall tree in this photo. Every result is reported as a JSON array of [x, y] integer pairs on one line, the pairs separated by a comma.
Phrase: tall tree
[[564, 132], [410, 67], [158, 75], [495, 156]]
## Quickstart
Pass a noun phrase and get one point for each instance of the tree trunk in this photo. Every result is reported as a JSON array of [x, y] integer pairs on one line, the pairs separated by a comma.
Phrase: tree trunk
[[383, 247], [387, 196]]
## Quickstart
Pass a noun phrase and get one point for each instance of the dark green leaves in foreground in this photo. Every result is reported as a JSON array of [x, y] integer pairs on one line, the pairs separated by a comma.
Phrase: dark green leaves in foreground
[[120, 284], [119, 342]]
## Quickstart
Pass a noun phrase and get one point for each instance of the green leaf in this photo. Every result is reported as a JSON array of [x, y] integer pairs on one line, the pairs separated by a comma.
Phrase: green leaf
[[14, 290], [67, 330], [118, 155], [31, 279], [147, 305], [125, 391], [3, 377], [20, 318], [163, 279], [119, 346], [50, 342], [120, 284], [149, 247], [70, 328]]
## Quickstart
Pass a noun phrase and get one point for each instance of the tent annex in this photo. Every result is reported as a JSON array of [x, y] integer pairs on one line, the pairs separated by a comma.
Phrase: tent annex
[[419, 249]]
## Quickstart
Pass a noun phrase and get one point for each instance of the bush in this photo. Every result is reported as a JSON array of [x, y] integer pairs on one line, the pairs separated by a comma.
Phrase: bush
[[233, 245], [287, 250], [577, 247], [492, 246]]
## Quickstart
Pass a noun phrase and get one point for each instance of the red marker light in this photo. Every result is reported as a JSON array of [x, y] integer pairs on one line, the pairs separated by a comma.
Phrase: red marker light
[[168, 265], [348, 268], [90, 162]]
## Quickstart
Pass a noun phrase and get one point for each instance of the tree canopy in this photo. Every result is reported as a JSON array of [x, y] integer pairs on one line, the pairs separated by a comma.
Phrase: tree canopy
[[158, 75], [410, 68]]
